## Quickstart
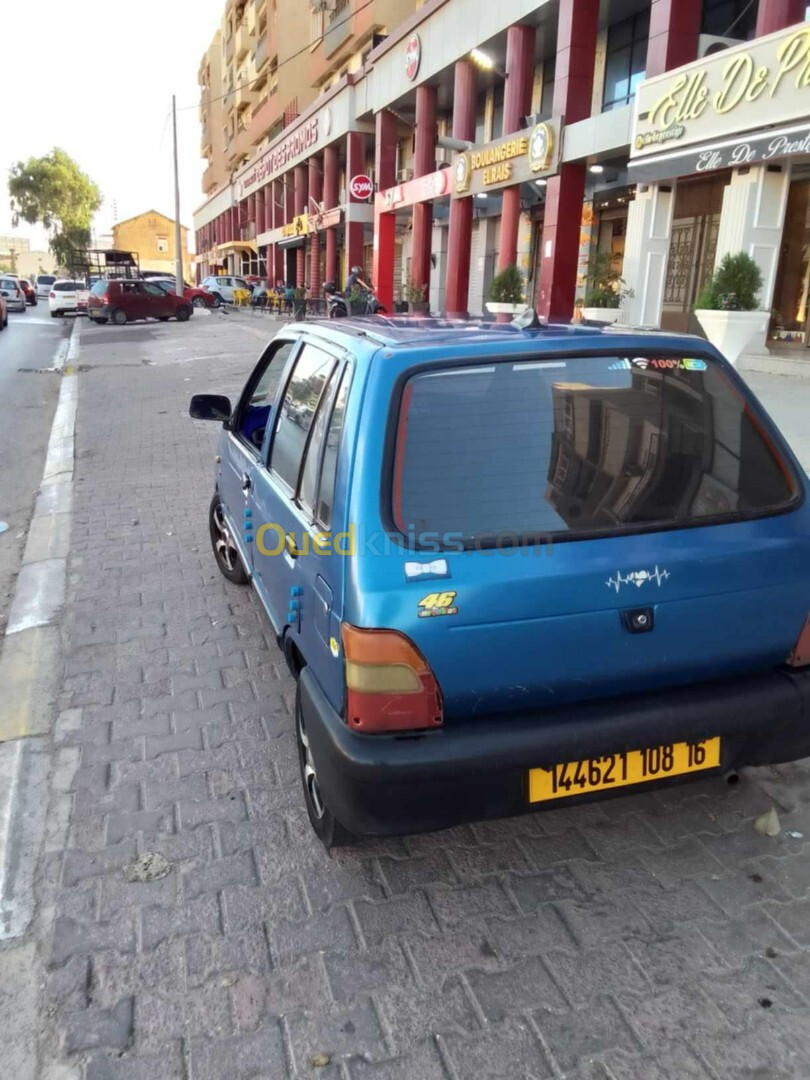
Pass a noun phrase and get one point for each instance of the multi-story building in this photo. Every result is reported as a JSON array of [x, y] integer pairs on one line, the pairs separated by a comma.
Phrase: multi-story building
[[151, 235], [663, 133]]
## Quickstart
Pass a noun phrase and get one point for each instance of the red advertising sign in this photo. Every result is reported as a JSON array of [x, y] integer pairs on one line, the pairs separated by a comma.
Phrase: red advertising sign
[[361, 187], [413, 56]]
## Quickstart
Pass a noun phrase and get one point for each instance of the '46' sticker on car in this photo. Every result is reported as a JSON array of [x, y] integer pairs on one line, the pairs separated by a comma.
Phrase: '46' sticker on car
[[437, 603]]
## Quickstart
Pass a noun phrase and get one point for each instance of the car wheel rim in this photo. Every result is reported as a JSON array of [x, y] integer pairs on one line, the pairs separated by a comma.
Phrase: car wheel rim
[[199, 302], [225, 548], [310, 775]]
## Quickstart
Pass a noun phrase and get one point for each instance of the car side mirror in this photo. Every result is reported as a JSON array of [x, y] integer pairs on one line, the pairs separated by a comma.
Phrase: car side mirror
[[210, 407]]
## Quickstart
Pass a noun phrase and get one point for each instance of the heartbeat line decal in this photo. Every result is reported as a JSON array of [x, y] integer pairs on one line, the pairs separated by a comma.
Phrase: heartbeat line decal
[[637, 578]]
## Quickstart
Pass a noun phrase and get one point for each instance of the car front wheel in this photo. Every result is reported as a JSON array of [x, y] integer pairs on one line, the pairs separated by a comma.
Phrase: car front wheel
[[198, 302], [228, 558], [327, 827], [183, 314]]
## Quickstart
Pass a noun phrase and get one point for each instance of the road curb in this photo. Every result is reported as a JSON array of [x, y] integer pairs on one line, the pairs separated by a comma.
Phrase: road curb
[[31, 656]]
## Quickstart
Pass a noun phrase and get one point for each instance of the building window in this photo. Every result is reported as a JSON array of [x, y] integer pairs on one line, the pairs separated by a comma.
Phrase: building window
[[163, 243], [729, 18], [626, 60]]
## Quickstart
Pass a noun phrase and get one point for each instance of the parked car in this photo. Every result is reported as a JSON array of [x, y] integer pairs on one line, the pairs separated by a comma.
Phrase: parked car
[[44, 284], [123, 300], [223, 287], [511, 568], [12, 291], [3, 312], [67, 296], [199, 297], [29, 290]]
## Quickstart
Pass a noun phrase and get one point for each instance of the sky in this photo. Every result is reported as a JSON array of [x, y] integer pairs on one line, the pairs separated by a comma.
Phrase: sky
[[100, 86]]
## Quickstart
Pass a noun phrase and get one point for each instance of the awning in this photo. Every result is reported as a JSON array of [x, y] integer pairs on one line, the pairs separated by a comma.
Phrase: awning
[[292, 242], [237, 245]]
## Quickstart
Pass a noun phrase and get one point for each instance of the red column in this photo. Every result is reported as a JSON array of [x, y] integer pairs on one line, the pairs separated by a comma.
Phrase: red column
[[424, 162], [276, 221], [315, 196], [385, 168], [517, 101], [576, 48], [300, 205], [260, 226], [777, 14], [355, 166], [674, 30], [459, 236], [331, 179]]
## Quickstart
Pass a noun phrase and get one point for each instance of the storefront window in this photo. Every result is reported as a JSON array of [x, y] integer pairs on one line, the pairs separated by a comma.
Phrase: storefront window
[[791, 293], [626, 60], [729, 18]]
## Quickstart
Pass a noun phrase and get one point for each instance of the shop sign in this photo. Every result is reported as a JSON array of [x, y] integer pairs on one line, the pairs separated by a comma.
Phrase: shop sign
[[413, 57], [325, 220], [274, 159], [422, 189], [751, 86], [299, 226], [516, 159], [759, 147], [361, 187]]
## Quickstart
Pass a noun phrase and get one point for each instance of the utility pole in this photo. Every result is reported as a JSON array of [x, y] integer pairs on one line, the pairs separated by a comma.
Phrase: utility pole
[[178, 233]]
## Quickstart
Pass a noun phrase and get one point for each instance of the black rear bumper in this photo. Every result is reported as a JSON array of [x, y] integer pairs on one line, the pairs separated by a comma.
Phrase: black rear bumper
[[379, 785]]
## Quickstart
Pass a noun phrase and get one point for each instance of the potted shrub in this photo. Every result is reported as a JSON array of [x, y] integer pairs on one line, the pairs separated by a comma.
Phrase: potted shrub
[[415, 297], [299, 303], [358, 300], [728, 306], [605, 293], [506, 293]]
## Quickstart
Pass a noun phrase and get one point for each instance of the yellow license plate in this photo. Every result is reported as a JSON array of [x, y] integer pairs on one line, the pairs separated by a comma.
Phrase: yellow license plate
[[621, 770]]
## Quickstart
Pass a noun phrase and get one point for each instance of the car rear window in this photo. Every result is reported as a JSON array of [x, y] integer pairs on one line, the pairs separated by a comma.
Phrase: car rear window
[[579, 446], [46, 279], [99, 288], [9, 283], [67, 286]]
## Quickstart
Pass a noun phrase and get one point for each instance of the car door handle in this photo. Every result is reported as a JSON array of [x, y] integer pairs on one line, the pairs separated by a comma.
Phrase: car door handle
[[292, 550], [246, 483]]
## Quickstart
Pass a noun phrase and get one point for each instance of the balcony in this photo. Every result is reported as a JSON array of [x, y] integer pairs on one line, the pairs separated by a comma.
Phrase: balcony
[[338, 27], [228, 51], [266, 115], [205, 142], [244, 96], [242, 41], [210, 179], [260, 54]]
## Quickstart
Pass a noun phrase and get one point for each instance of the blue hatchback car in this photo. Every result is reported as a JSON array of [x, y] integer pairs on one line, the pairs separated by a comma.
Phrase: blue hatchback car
[[513, 569]]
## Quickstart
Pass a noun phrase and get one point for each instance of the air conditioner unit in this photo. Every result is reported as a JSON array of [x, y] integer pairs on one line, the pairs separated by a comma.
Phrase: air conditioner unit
[[404, 175], [709, 44]]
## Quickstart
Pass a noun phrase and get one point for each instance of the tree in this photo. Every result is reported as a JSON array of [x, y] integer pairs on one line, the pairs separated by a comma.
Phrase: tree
[[53, 191]]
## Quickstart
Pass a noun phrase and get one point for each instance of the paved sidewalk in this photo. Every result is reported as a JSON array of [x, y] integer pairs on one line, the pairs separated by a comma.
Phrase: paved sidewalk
[[646, 938]]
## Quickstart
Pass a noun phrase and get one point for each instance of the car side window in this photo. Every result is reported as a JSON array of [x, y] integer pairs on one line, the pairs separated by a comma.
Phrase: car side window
[[254, 410], [326, 491], [308, 491], [130, 287], [303, 393], [153, 290]]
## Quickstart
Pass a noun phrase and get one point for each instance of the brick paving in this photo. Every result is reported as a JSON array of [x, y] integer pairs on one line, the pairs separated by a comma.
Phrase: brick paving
[[655, 937]]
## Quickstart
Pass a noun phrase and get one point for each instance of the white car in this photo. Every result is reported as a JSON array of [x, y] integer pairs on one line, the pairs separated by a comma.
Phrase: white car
[[67, 296], [43, 284], [224, 286], [11, 291]]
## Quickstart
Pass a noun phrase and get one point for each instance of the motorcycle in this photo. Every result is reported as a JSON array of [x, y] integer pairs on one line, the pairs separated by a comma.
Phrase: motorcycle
[[338, 304]]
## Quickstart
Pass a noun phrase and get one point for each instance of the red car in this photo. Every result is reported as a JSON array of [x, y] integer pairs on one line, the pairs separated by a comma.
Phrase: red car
[[3, 313], [122, 300], [198, 297], [30, 292]]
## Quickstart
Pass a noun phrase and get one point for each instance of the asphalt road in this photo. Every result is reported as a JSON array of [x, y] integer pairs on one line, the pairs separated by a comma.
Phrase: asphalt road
[[27, 404]]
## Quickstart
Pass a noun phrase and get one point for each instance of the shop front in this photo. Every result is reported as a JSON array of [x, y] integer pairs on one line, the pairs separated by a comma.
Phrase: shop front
[[720, 155]]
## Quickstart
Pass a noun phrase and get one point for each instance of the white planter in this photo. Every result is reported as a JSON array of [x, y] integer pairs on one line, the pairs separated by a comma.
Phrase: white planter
[[605, 315], [505, 309], [731, 331]]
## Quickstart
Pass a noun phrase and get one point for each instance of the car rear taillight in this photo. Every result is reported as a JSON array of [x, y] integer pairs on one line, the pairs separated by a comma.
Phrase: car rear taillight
[[52, 295], [389, 684], [800, 653]]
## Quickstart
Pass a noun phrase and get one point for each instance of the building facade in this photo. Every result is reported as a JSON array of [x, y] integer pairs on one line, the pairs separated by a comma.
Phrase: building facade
[[537, 135], [151, 235]]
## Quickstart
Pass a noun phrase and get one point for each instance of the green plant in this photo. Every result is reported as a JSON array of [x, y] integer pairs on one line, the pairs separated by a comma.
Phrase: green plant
[[734, 285], [606, 283], [507, 287], [414, 293], [299, 293]]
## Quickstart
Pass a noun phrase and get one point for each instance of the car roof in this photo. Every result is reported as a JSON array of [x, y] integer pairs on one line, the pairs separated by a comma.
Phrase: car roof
[[402, 334]]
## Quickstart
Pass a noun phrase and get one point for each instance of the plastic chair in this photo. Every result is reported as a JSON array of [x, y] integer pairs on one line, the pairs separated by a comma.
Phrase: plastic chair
[[241, 297]]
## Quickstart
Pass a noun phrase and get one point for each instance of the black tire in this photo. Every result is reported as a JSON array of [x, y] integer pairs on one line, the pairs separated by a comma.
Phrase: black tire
[[217, 299], [199, 301], [327, 827], [119, 316], [183, 314], [54, 314], [380, 310], [337, 312], [228, 558], [163, 318], [101, 322]]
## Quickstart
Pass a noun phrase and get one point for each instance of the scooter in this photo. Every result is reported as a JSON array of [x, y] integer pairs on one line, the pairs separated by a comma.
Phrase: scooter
[[338, 304]]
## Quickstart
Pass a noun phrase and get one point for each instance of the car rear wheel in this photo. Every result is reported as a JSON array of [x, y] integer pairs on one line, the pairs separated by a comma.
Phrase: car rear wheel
[[183, 313], [119, 316], [55, 314], [228, 558], [198, 302], [100, 322], [327, 827], [217, 300]]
